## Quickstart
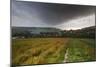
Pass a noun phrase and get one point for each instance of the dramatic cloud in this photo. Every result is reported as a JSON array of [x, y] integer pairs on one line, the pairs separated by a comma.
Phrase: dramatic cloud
[[78, 23], [52, 15]]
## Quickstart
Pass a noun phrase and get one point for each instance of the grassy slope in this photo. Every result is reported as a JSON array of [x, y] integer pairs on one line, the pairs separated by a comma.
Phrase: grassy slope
[[81, 50]]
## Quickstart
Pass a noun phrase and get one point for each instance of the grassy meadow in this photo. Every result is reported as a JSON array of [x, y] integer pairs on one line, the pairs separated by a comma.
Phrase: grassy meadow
[[81, 50], [52, 50]]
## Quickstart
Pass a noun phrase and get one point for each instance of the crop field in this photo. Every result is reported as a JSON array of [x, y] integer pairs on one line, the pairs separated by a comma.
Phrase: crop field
[[52, 50], [81, 50]]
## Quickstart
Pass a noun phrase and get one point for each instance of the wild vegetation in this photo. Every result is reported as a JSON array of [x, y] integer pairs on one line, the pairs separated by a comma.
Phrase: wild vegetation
[[36, 45], [38, 50], [52, 50], [81, 50]]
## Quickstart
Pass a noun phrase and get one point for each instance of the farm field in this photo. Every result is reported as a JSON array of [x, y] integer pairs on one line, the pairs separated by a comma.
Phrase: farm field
[[81, 50], [52, 50]]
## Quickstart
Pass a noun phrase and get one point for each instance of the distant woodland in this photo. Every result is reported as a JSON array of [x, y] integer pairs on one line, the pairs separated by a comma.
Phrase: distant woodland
[[29, 32]]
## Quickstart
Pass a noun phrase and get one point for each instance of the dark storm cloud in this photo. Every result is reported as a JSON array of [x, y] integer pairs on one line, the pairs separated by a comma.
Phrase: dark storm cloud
[[46, 14], [57, 13]]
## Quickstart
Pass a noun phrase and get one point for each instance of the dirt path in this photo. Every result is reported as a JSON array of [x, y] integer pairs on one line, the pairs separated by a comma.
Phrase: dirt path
[[66, 56]]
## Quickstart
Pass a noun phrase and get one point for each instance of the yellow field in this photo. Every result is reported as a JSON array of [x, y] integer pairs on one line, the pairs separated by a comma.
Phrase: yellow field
[[52, 50], [38, 50]]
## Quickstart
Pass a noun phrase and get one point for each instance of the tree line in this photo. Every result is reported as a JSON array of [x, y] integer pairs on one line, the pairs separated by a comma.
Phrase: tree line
[[80, 33]]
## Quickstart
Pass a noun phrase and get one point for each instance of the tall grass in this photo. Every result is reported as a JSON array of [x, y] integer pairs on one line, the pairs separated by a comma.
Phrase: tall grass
[[81, 50], [38, 50], [52, 50]]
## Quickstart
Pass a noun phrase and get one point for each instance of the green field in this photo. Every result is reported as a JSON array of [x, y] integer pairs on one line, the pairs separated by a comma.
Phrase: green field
[[52, 50], [81, 50]]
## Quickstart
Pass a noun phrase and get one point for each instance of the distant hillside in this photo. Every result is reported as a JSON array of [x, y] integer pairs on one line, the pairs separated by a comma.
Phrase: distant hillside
[[88, 32], [33, 30]]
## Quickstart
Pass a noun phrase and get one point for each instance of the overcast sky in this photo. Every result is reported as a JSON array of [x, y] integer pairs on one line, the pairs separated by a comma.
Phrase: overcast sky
[[63, 16]]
